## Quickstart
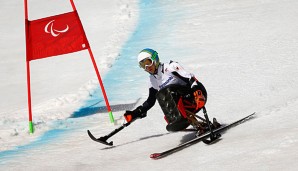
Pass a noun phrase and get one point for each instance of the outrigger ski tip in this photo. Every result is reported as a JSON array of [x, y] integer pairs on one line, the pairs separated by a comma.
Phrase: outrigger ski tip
[[102, 140]]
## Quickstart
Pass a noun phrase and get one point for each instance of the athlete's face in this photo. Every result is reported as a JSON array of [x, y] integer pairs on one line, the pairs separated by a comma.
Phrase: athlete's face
[[148, 65]]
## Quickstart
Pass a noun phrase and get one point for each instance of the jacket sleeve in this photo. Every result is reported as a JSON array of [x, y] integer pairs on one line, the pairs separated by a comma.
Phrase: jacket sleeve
[[149, 103]]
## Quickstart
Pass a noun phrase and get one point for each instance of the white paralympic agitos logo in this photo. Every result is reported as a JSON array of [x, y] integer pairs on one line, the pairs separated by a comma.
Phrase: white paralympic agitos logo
[[53, 31]]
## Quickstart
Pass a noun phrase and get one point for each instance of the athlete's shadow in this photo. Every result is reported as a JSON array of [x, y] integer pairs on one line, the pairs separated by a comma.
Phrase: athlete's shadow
[[188, 137], [141, 139]]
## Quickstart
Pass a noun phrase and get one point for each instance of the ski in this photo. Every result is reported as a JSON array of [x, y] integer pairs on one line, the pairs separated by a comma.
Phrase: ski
[[198, 139]]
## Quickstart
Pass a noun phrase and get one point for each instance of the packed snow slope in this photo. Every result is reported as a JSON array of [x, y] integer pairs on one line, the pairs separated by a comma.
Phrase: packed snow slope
[[244, 52]]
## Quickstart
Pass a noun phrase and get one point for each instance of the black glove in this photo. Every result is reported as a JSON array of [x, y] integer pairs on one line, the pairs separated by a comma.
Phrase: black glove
[[138, 113]]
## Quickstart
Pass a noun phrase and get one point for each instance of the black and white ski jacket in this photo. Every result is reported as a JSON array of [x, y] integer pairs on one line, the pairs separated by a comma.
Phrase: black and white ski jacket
[[167, 74]]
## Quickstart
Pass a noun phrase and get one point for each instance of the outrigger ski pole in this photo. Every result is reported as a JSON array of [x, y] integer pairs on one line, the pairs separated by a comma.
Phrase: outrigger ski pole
[[104, 139]]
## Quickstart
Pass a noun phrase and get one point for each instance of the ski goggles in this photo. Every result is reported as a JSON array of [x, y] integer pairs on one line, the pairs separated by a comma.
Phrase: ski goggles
[[147, 62]]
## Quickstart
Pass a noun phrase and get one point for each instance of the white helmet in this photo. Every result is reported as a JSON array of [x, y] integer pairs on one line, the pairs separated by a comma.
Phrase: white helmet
[[150, 54]]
